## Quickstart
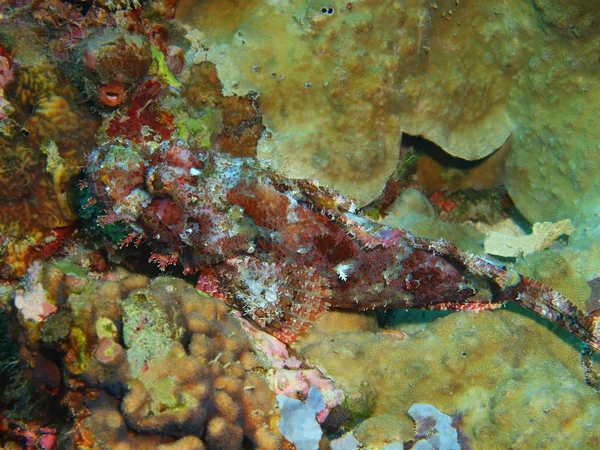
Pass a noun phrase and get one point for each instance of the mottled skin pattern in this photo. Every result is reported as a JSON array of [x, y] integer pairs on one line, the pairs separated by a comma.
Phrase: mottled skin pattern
[[283, 251]]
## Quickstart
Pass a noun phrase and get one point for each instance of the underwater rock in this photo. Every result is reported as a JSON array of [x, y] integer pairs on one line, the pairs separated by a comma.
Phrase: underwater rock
[[400, 66], [56, 132]]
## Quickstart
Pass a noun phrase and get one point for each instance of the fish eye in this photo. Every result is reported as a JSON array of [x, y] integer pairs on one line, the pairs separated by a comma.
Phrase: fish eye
[[157, 184]]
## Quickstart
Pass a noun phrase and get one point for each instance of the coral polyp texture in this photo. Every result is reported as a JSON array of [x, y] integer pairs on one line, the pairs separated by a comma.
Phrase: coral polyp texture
[[222, 221], [145, 362]]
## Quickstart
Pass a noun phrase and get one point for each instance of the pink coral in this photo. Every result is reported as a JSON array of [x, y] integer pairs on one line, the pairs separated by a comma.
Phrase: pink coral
[[32, 302], [6, 72], [291, 376]]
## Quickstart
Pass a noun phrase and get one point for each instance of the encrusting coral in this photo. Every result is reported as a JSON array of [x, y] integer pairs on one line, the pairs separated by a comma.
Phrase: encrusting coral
[[327, 77], [488, 375]]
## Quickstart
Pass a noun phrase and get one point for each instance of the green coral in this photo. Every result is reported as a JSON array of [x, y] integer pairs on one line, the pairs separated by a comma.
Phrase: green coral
[[80, 344], [90, 211], [149, 329], [160, 69]]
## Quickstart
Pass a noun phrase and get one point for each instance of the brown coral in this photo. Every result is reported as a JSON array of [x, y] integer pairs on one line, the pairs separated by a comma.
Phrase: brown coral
[[39, 158], [242, 122], [208, 381], [181, 373]]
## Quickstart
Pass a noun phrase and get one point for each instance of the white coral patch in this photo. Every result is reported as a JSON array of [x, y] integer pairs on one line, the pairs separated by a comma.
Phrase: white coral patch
[[343, 270], [33, 303]]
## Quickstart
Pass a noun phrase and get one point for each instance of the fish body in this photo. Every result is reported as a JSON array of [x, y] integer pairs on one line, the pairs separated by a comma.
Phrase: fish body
[[283, 251]]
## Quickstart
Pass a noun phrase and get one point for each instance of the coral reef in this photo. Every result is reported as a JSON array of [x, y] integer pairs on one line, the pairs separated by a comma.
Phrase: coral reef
[[42, 151], [489, 374], [449, 122], [328, 76], [291, 377], [145, 362], [420, 68]]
